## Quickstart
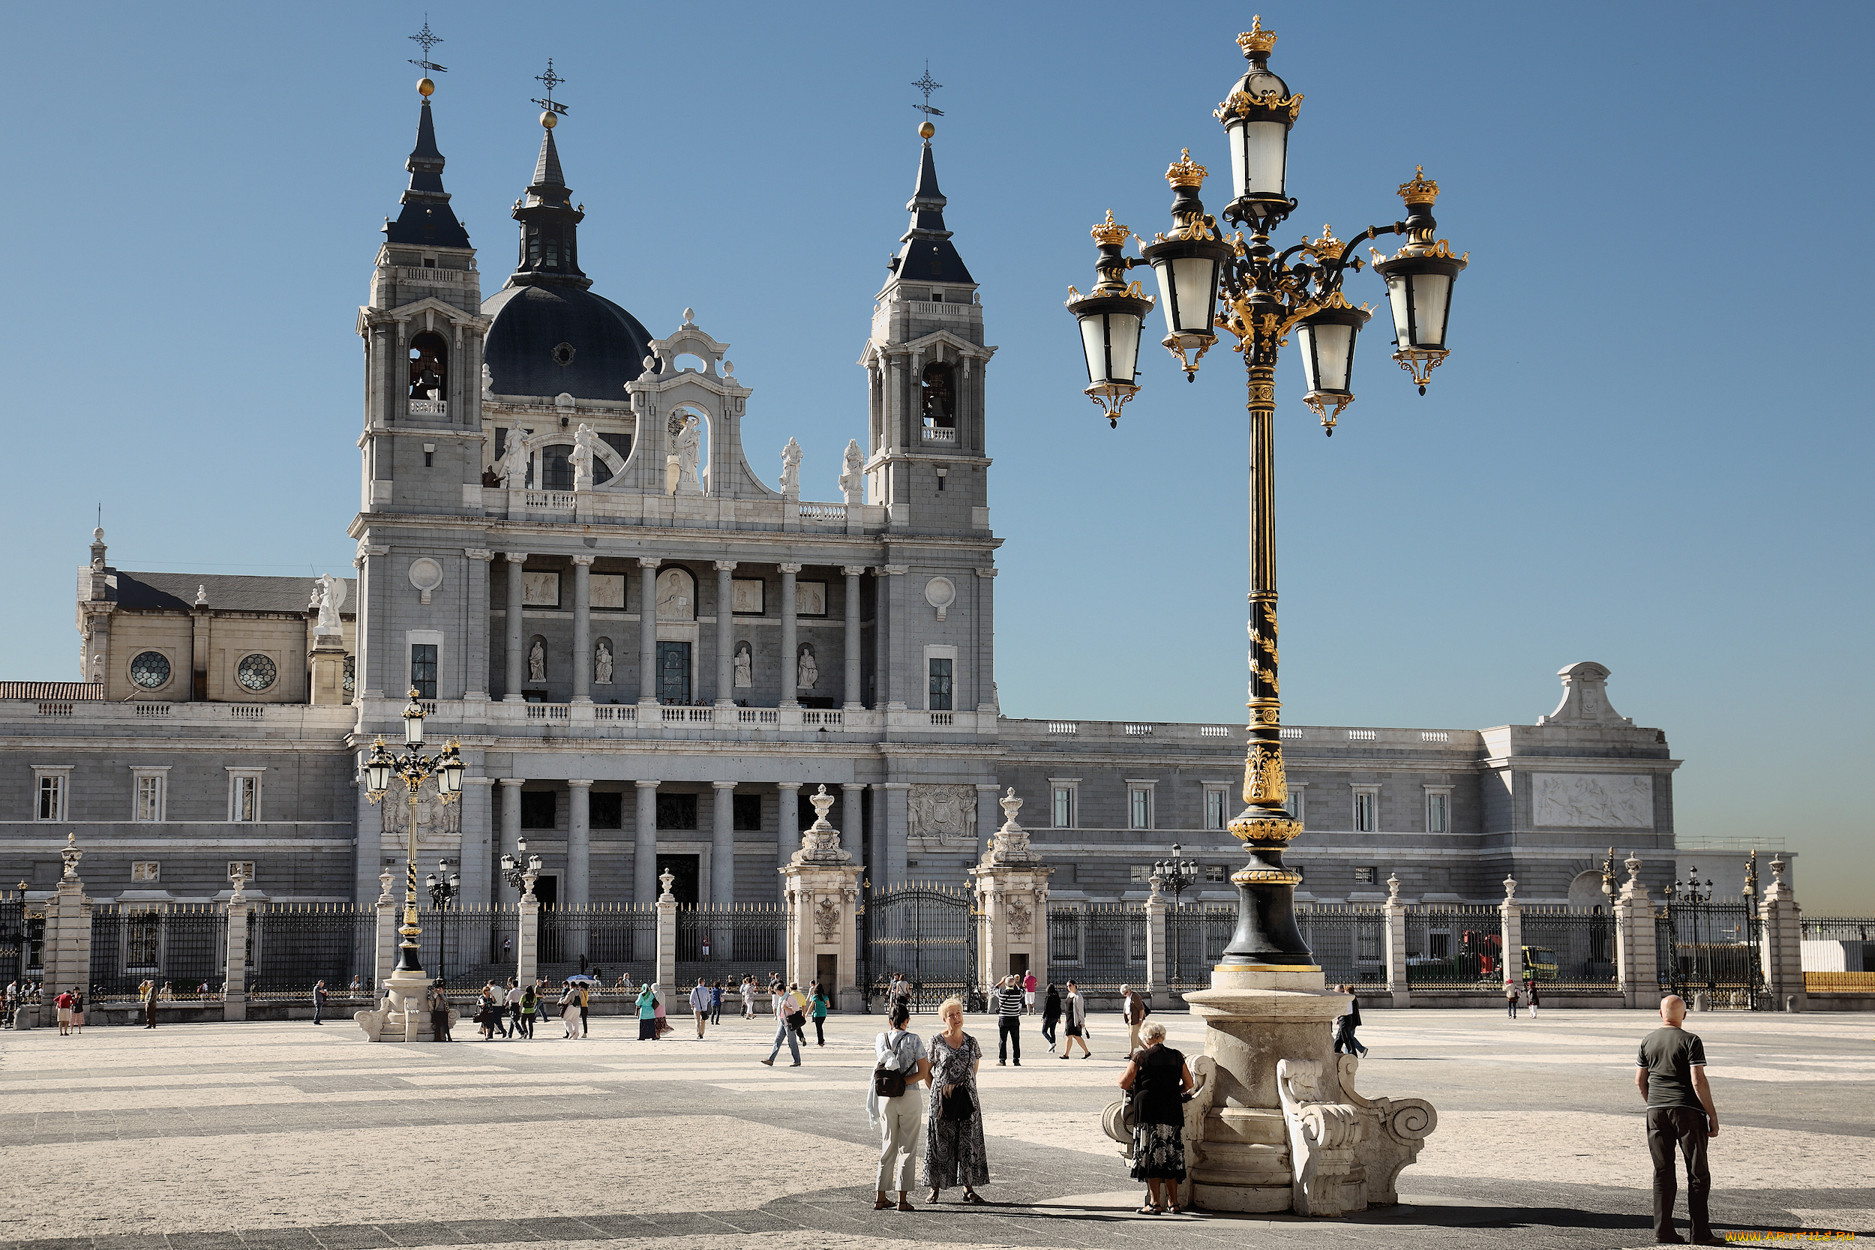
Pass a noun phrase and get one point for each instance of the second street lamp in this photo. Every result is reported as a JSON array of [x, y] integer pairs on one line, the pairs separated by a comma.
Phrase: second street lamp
[[1260, 295]]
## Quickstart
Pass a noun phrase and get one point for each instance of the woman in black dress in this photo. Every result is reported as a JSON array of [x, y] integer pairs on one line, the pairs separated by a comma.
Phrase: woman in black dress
[[1051, 1015], [953, 1152], [1158, 1079]]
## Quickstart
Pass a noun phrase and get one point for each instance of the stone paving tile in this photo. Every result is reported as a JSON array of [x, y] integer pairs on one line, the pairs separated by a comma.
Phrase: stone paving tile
[[350, 1236]]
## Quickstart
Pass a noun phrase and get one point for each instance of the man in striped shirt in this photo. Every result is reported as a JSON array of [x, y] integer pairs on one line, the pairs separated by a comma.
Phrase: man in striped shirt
[[1008, 1001]]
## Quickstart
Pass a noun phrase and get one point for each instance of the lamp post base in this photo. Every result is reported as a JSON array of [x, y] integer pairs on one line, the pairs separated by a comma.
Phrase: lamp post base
[[404, 1015]]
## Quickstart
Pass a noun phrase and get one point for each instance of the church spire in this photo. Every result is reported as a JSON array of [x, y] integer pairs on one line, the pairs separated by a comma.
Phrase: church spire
[[426, 219], [926, 253], [549, 253]]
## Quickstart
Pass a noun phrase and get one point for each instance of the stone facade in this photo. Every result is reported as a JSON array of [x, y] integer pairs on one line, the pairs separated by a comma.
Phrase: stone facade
[[647, 650]]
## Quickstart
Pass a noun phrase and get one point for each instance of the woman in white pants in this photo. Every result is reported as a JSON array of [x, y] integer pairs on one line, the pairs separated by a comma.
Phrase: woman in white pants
[[897, 1118]]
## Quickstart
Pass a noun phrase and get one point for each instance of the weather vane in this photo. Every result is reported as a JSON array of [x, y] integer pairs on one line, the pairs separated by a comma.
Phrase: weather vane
[[426, 39], [927, 85], [552, 80]]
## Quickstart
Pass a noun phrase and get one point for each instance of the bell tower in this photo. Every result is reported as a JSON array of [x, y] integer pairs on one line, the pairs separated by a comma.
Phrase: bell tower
[[925, 363]]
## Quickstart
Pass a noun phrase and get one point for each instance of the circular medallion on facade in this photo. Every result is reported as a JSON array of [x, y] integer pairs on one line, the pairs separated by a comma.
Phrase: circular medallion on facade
[[256, 672], [563, 354], [150, 670], [426, 575]]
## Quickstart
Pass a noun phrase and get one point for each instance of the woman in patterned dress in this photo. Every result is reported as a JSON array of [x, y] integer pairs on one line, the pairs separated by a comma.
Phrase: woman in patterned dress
[[954, 1153], [1158, 1078]]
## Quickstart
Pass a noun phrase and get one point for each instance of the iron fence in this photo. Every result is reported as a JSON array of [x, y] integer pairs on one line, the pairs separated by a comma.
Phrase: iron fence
[[12, 934], [928, 935], [608, 940], [1711, 949], [721, 942], [1195, 938], [1349, 943], [1099, 946], [464, 946], [1569, 950], [1456, 947], [182, 947], [1839, 928], [292, 946]]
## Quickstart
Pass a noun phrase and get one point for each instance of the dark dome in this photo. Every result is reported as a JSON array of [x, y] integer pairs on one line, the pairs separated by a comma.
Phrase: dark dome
[[535, 325]]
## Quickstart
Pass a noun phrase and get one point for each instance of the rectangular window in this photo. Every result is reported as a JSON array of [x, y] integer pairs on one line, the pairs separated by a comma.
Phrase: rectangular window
[[746, 814], [1365, 804], [145, 872], [423, 669], [1139, 807], [1438, 812], [148, 796], [1297, 802], [243, 866], [677, 811], [143, 939], [606, 810], [1064, 807], [1141, 874], [1214, 800], [1366, 875], [940, 685], [539, 808], [49, 799], [1214, 872], [244, 796]]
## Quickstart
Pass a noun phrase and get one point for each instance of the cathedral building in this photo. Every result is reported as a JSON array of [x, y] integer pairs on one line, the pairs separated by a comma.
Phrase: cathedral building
[[651, 656]]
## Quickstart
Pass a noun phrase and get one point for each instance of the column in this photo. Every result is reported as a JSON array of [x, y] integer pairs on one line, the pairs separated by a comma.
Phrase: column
[[983, 671], [475, 637], [987, 794], [1393, 915], [369, 851], [645, 848], [647, 668], [787, 634], [1510, 932], [725, 634], [787, 822], [853, 696], [517, 639], [893, 669], [478, 861], [582, 628], [897, 796], [1156, 963], [852, 820], [875, 837], [723, 844], [510, 825], [578, 844], [234, 965]]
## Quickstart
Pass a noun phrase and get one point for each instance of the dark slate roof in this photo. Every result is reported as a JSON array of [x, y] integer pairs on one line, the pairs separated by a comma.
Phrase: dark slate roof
[[227, 592], [927, 254], [426, 218], [609, 344]]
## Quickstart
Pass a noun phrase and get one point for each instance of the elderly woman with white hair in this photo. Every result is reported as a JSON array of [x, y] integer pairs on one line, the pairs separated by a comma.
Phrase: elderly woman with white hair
[[1158, 1079]]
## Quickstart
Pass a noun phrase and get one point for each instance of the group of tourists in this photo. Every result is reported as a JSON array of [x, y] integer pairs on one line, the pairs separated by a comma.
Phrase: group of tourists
[[20, 994], [512, 1011], [1525, 995]]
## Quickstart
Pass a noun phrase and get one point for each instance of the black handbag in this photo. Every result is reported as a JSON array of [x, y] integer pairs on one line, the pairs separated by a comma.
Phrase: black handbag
[[955, 1103]]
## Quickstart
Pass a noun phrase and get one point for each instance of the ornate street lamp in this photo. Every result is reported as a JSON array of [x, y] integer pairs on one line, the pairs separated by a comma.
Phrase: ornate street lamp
[[514, 870], [412, 767], [1176, 874], [443, 889], [1244, 285]]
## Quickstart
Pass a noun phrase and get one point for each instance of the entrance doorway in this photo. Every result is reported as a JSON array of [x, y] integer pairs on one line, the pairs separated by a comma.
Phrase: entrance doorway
[[674, 672], [685, 869]]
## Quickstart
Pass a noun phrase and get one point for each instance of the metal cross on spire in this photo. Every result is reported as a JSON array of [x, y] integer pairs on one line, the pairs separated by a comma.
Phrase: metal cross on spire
[[927, 85], [552, 80], [426, 39]]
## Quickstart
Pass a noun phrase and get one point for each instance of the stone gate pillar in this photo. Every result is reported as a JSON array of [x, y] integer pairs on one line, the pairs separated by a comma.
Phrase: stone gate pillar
[[1782, 942], [820, 883], [527, 936], [68, 934], [1012, 901], [234, 974], [1510, 932], [387, 933], [1636, 947], [1157, 965], [667, 939], [1394, 915]]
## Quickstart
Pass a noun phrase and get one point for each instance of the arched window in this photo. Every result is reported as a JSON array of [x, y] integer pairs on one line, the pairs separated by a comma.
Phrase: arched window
[[940, 398], [429, 366], [556, 471], [533, 245]]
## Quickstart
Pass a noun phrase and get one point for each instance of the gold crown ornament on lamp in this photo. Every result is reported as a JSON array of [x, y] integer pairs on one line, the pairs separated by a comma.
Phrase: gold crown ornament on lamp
[[1256, 41]]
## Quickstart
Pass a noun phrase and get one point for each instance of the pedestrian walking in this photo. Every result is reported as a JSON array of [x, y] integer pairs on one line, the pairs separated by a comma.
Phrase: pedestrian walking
[[486, 1009], [1346, 1043], [1510, 998], [1074, 1016], [1028, 993], [585, 1005], [788, 1019], [439, 1014], [530, 1007], [147, 991], [64, 1004], [1132, 1014], [1051, 1014], [543, 990], [318, 1001], [78, 1009], [647, 1014], [1535, 1000], [716, 1003], [1009, 1007], [894, 1104], [953, 1148], [513, 1002], [1157, 1079], [700, 1006], [1671, 1075], [900, 991], [820, 1005], [748, 997], [569, 1011], [659, 1014]]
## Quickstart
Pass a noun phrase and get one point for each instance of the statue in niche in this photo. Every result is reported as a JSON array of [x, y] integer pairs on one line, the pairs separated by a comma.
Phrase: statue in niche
[[689, 445], [806, 670], [515, 460], [602, 664], [854, 479], [537, 661], [745, 664], [585, 445], [791, 470]]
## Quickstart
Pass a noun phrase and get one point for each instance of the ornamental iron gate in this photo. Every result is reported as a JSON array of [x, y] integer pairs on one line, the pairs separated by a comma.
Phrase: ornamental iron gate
[[1569, 950], [292, 946], [1349, 943], [1458, 947], [618, 942], [1101, 947], [927, 934], [1711, 949], [722, 942], [180, 946]]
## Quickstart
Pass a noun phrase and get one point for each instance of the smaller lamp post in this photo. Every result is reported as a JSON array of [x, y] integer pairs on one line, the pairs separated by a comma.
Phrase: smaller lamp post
[[1177, 875], [412, 767], [443, 889], [515, 870]]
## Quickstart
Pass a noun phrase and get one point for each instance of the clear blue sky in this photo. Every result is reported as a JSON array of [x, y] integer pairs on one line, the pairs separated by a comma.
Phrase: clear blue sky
[[1650, 448]]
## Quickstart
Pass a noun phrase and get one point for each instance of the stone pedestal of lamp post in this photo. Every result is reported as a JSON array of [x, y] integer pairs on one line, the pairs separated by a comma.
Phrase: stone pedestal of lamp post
[[1012, 902], [820, 882], [403, 1012]]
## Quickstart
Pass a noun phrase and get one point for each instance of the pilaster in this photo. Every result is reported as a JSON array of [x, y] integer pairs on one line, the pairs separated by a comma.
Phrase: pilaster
[[1510, 932], [515, 630], [725, 634], [527, 939], [645, 845], [476, 636], [647, 653], [582, 628], [1394, 916], [789, 647], [851, 694]]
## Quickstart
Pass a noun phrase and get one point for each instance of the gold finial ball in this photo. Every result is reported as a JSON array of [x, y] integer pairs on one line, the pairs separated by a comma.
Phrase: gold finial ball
[[926, 130], [549, 120], [426, 87]]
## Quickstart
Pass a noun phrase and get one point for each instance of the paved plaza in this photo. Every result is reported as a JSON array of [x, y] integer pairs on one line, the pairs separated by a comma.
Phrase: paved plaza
[[302, 1137]]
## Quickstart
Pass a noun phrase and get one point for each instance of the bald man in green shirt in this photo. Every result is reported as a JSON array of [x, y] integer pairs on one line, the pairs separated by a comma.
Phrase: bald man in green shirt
[[1671, 1075]]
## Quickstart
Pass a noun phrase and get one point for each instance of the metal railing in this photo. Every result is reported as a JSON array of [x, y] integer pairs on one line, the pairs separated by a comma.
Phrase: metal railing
[[1454, 948], [615, 940], [1839, 928], [1349, 943], [293, 946], [1569, 950], [181, 947], [1098, 946], [720, 943]]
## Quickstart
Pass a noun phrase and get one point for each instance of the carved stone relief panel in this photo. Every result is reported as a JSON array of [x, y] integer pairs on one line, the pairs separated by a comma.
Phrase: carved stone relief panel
[[942, 817], [1594, 800]]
